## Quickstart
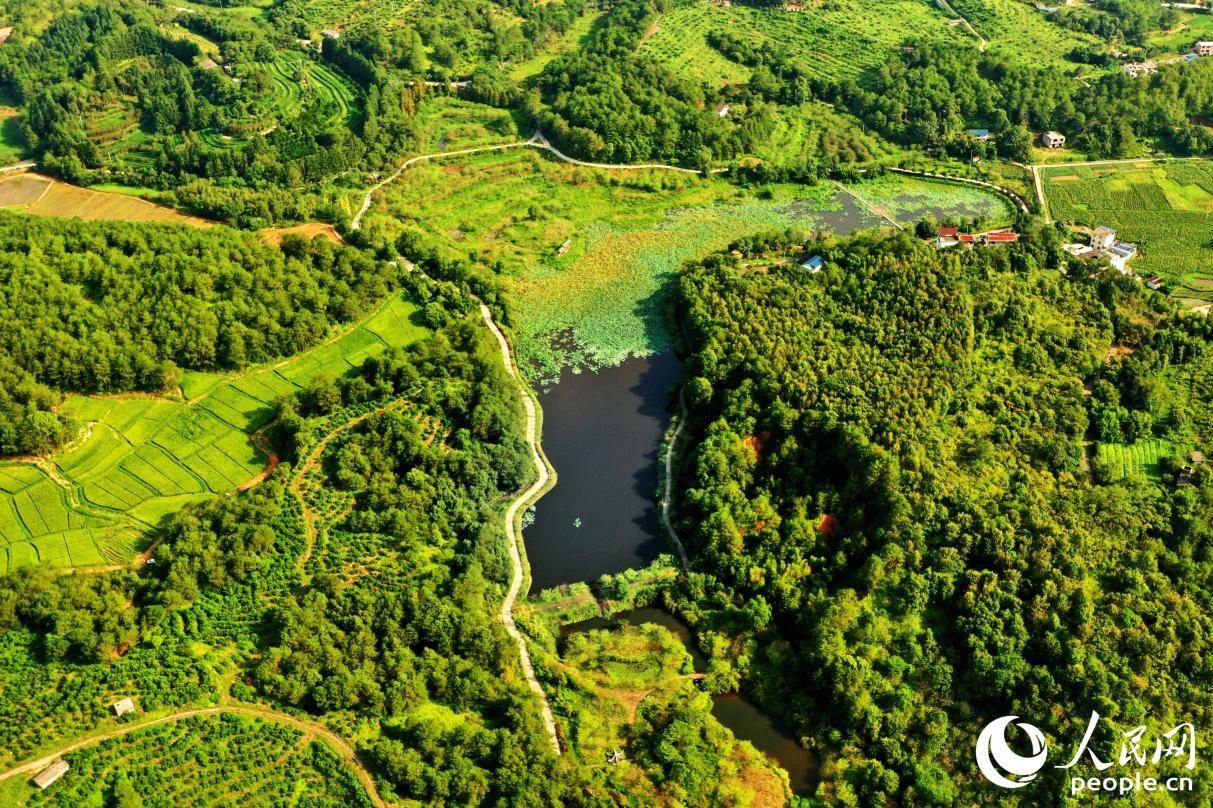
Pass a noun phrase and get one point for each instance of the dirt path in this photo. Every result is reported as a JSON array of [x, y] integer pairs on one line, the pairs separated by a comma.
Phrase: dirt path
[[523, 499], [310, 462], [310, 728], [948, 6], [537, 141]]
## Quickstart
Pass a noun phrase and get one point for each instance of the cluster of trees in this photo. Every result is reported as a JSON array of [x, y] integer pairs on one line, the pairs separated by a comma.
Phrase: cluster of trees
[[928, 95], [1131, 21], [609, 103], [887, 453], [109, 307]]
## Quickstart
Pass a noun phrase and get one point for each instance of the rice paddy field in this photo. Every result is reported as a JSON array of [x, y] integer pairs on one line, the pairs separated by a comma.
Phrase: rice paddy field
[[141, 458], [1164, 208], [840, 38], [205, 760], [602, 300], [1136, 460]]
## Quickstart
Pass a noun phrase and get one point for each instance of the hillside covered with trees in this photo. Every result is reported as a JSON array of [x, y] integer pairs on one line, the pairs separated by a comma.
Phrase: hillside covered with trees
[[889, 455]]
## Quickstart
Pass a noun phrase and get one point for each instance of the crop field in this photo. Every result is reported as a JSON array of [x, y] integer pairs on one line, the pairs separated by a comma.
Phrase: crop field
[[298, 79], [43, 196], [628, 234], [1138, 459], [1192, 27], [204, 760], [840, 38], [1164, 208], [141, 458]]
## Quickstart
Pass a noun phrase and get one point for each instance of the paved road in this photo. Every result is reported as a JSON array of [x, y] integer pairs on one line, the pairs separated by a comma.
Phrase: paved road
[[311, 728], [511, 513]]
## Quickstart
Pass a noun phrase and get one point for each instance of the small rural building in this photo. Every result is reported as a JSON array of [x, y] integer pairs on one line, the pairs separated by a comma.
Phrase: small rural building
[[967, 238], [1197, 458], [330, 33], [1001, 238], [5, 33], [1203, 48], [51, 773], [814, 264], [723, 110], [980, 134], [563, 248], [208, 64], [1154, 283], [1052, 140], [947, 237], [1119, 254], [123, 707], [1102, 238], [1135, 69]]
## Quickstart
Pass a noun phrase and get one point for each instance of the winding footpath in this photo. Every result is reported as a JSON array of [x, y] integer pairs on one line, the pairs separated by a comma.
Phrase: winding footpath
[[523, 498], [536, 141], [309, 728]]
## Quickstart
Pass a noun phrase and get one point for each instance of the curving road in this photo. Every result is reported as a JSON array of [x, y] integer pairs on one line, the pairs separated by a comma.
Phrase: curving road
[[311, 728], [522, 499]]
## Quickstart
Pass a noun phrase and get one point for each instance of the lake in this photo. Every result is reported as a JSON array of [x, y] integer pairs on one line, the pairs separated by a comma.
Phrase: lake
[[602, 432]]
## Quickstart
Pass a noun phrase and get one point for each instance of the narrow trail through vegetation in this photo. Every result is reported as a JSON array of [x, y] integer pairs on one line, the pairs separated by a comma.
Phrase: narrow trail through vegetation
[[309, 728], [667, 490], [523, 499]]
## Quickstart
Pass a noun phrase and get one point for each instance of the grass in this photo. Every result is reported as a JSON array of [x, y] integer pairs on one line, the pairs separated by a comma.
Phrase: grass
[[1019, 31], [142, 458], [206, 760], [1136, 460], [577, 34], [1164, 208], [629, 233], [1191, 28]]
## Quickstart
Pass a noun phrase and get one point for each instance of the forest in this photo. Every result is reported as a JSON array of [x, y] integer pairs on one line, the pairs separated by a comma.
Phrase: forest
[[889, 454], [112, 307]]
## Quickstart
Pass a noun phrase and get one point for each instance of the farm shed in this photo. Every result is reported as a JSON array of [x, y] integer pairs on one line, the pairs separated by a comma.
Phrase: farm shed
[[947, 237], [51, 773], [814, 264], [126, 705], [1203, 48]]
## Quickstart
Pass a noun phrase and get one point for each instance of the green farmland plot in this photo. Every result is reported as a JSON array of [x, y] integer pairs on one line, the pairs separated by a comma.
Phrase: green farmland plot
[[1135, 460], [1164, 208], [140, 459]]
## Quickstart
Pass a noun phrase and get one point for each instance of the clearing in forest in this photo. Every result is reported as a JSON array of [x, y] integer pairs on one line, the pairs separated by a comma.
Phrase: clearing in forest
[[43, 196]]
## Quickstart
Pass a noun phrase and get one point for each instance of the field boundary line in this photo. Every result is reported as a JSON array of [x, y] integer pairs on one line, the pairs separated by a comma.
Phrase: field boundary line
[[513, 540], [308, 727]]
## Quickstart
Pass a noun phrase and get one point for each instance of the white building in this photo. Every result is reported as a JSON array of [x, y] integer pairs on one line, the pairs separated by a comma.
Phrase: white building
[[1203, 48], [1052, 140]]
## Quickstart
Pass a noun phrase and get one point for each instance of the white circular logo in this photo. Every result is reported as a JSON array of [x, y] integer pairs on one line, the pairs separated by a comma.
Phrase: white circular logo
[[992, 743]]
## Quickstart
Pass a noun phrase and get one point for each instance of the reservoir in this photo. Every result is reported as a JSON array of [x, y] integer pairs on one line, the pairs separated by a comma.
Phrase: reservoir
[[602, 432]]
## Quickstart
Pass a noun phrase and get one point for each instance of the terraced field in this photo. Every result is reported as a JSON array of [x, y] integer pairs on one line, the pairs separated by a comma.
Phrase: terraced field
[[839, 39], [1164, 208], [206, 760], [140, 459]]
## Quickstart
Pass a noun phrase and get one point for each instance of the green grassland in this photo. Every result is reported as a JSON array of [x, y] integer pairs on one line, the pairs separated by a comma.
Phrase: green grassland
[[839, 39], [1136, 460], [629, 233], [208, 760], [1164, 208], [448, 123], [577, 34], [140, 459]]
